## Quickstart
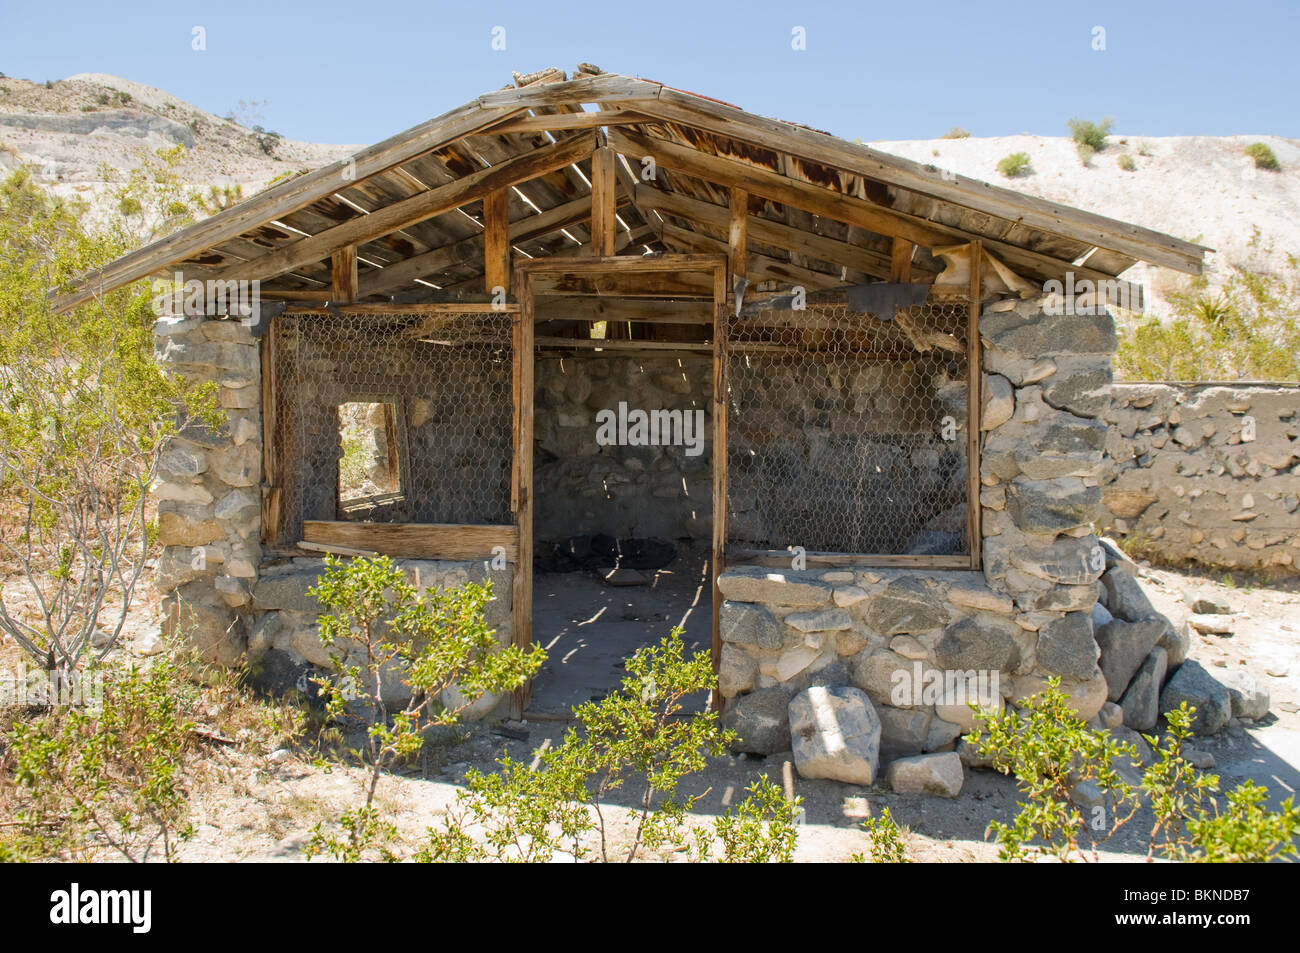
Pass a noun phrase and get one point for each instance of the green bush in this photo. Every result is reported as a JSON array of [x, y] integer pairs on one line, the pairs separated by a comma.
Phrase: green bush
[[1014, 165], [1247, 329], [1126, 163], [1050, 751], [1263, 156], [956, 132], [1091, 134]]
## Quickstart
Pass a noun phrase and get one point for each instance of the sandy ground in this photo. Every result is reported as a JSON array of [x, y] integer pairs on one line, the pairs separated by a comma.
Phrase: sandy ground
[[266, 810]]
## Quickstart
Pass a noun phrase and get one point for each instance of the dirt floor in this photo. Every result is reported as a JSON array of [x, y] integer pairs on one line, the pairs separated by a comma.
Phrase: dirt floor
[[261, 806]]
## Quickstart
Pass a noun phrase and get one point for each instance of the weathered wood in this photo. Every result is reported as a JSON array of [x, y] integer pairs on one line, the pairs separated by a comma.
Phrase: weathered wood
[[811, 145], [780, 559], [430, 307], [335, 550], [566, 122], [391, 218], [900, 261], [496, 241], [719, 451], [343, 275], [761, 267], [738, 233], [974, 398], [416, 540], [606, 344], [271, 493], [602, 202], [522, 605], [643, 310]]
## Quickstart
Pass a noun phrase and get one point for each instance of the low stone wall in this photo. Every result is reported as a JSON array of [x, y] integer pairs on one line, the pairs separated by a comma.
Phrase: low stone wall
[[1205, 473]]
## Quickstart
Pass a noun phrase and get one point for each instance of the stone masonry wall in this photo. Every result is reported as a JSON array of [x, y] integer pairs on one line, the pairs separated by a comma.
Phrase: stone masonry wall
[[1028, 616], [1205, 473], [219, 592]]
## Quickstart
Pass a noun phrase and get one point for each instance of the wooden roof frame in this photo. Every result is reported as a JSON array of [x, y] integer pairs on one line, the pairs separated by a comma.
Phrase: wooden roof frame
[[398, 209]]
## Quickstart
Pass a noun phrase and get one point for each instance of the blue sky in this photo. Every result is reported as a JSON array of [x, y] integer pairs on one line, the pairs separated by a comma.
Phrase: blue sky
[[358, 72]]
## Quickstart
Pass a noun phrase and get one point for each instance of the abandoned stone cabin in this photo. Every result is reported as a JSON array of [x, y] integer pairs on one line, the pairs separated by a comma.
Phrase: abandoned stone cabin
[[903, 433]]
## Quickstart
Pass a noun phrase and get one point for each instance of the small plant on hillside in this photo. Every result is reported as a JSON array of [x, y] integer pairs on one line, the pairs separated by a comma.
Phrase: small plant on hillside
[[1051, 751], [1126, 163], [956, 132], [1014, 165], [1263, 156], [380, 631], [108, 779], [1144, 148], [1091, 134], [639, 740]]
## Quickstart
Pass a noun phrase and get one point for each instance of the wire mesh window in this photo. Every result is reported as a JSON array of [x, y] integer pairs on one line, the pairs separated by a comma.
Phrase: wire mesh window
[[437, 387], [846, 432]]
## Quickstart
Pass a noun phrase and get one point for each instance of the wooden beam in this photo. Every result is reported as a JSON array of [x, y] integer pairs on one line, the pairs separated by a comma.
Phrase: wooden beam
[[717, 562], [780, 559], [522, 477], [469, 251], [900, 261], [496, 241], [415, 540], [738, 233], [565, 122], [343, 275], [551, 308], [810, 145], [974, 398], [606, 344], [602, 202], [778, 234], [417, 208], [760, 266], [835, 205]]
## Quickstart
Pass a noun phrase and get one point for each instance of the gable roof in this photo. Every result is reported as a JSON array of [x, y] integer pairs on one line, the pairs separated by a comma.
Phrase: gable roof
[[822, 211]]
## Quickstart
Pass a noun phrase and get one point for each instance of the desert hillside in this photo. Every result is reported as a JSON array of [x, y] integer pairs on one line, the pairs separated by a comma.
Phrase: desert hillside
[[1200, 188]]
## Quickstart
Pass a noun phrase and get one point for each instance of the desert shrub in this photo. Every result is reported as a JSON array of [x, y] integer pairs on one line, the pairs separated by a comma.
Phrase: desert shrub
[[1126, 163], [1050, 751], [1014, 165], [956, 132], [887, 841], [437, 643], [105, 779], [1090, 134], [85, 414], [638, 740], [1263, 156], [1246, 329]]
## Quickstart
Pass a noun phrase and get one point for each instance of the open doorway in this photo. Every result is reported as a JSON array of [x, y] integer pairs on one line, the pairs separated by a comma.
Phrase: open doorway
[[623, 511]]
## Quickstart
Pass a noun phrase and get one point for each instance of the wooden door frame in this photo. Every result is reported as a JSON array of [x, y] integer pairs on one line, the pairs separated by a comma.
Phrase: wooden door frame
[[612, 268]]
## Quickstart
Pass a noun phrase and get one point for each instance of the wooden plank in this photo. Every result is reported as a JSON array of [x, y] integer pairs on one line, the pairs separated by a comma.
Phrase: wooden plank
[[601, 88], [343, 275], [717, 219], [734, 123], [645, 310], [444, 198], [428, 307], [780, 559], [738, 234], [900, 261], [271, 492], [566, 122], [602, 202], [607, 344], [415, 540], [627, 264], [522, 604], [974, 398], [760, 266], [335, 550], [717, 562], [835, 205], [496, 241]]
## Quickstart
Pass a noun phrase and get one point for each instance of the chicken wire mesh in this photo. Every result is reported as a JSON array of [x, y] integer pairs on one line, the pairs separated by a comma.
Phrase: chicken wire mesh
[[847, 432], [433, 390]]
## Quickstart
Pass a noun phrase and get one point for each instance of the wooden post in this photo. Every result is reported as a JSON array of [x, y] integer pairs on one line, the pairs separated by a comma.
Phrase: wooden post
[[900, 261], [719, 459], [271, 492], [738, 235], [522, 593], [602, 202], [343, 275], [974, 399], [496, 240]]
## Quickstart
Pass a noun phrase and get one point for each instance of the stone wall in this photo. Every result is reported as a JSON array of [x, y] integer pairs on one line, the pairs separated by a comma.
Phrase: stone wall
[[1028, 616], [581, 487], [1205, 473]]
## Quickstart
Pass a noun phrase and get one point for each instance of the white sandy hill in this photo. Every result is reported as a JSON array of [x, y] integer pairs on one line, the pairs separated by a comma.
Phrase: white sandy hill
[[1200, 188]]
